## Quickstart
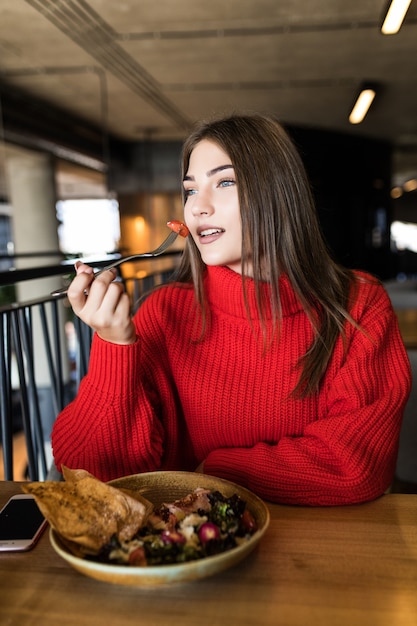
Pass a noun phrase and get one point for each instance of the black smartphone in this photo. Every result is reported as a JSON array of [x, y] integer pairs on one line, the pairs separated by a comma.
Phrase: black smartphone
[[21, 523]]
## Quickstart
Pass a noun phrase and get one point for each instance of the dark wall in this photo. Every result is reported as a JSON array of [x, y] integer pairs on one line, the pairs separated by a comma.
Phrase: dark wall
[[351, 181], [32, 123], [145, 167]]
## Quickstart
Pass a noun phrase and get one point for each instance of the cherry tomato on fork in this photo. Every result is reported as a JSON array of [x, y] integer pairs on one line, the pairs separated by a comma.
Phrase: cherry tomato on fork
[[178, 227]]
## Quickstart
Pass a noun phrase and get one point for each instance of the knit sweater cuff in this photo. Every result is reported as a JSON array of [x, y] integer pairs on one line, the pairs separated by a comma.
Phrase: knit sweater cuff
[[114, 368]]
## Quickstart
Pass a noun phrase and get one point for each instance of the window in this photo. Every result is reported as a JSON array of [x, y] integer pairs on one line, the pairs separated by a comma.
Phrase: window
[[88, 227]]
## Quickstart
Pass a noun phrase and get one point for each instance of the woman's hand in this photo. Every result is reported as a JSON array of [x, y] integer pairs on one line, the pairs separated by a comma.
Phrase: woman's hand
[[102, 304]]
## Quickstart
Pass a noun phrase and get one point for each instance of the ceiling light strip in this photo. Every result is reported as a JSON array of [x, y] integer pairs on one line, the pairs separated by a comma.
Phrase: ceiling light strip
[[361, 106], [395, 16]]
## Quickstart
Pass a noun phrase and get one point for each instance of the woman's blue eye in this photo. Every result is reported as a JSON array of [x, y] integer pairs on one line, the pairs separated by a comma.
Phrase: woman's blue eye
[[189, 192], [227, 182]]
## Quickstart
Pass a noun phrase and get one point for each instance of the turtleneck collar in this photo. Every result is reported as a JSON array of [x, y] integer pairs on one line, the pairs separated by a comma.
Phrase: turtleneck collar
[[225, 292]]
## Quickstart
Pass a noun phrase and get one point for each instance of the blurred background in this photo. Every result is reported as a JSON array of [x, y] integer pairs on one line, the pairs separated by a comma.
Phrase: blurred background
[[101, 94], [96, 97]]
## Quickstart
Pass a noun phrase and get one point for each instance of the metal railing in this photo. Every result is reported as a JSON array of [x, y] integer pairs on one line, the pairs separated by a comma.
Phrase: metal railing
[[18, 384]]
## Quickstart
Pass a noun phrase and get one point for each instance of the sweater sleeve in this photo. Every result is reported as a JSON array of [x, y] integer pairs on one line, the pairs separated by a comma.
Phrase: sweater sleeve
[[348, 454], [112, 427]]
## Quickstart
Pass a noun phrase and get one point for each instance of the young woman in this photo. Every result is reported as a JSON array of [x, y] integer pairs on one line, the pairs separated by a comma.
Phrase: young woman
[[265, 363]]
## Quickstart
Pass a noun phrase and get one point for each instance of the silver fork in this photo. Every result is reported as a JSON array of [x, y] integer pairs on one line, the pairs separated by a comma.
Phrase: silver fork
[[143, 255]]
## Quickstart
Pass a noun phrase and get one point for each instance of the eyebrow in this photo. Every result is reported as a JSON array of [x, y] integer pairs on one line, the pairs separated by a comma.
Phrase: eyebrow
[[215, 170]]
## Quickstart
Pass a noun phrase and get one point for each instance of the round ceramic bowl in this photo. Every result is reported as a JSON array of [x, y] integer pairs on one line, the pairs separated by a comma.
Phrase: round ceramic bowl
[[159, 487]]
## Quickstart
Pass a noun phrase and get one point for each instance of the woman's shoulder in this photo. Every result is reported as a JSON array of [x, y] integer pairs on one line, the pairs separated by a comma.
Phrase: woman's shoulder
[[366, 280], [368, 290]]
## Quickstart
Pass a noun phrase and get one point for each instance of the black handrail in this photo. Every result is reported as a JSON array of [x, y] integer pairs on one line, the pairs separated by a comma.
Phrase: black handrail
[[65, 268]]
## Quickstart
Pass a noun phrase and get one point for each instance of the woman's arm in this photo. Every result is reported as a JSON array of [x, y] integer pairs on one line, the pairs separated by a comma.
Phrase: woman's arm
[[113, 427], [349, 453]]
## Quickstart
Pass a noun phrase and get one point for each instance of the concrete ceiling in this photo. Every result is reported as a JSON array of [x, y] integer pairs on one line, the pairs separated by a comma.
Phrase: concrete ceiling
[[149, 69]]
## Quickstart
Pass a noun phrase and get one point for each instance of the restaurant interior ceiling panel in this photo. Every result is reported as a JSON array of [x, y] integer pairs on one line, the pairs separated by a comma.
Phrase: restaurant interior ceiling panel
[[149, 70]]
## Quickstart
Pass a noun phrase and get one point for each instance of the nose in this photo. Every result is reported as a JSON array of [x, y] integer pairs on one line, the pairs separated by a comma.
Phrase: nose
[[202, 203]]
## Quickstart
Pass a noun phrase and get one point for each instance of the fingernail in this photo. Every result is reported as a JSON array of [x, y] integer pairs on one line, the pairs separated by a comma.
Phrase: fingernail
[[88, 270]]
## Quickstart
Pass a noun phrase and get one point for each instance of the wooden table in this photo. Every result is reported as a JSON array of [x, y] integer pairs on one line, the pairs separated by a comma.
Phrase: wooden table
[[343, 566]]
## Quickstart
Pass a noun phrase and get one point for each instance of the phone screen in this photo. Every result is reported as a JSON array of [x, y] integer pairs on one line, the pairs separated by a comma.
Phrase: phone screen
[[20, 519]]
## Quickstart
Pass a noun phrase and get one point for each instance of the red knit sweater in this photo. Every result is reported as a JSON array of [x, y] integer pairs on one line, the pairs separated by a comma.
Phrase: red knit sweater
[[168, 402]]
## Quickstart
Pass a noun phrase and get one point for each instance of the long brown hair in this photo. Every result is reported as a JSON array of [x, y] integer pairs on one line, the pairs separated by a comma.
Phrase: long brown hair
[[281, 234]]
